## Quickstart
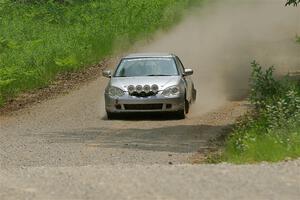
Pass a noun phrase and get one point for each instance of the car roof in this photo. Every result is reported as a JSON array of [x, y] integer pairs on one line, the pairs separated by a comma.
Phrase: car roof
[[149, 55]]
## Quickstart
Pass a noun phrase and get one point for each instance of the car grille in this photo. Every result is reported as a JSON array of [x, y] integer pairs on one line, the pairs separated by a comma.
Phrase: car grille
[[143, 94], [143, 106]]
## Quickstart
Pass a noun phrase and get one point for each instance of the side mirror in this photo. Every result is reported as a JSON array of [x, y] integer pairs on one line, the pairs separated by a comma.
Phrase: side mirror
[[188, 72], [106, 73]]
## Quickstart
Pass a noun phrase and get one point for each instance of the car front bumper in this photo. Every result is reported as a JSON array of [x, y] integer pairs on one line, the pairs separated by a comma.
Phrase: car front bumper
[[132, 104]]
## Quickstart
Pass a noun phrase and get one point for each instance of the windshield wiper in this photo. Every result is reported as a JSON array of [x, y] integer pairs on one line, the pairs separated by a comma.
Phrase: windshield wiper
[[158, 75]]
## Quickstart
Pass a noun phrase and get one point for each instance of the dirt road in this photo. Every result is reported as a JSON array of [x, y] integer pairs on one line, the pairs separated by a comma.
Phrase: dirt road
[[65, 148]]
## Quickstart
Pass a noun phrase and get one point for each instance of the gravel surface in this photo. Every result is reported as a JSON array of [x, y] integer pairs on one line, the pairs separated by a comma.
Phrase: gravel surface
[[65, 148], [45, 155], [68, 132], [264, 181]]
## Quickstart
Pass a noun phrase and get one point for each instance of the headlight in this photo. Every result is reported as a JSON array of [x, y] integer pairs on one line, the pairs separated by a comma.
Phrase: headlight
[[115, 92], [171, 91]]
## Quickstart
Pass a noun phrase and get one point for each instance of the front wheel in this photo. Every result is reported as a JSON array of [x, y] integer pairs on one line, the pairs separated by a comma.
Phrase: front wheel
[[182, 113], [111, 115], [194, 95]]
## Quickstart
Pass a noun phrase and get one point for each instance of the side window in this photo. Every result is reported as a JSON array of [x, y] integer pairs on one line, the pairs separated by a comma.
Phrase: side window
[[180, 65]]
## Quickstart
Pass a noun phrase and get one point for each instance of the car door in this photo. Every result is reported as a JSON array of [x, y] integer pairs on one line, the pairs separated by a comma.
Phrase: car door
[[187, 79]]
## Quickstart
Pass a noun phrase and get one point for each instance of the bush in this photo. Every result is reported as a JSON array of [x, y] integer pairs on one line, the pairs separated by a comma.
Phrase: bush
[[271, 131], [276, 101]]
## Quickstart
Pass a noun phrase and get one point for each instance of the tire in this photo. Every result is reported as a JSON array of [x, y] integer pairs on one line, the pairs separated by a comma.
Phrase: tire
[[187, 107], [111, 116], [194, 95], [181, 113]]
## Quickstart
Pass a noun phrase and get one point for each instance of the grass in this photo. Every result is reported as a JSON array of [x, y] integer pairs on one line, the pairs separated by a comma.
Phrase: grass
[[273, 146], [271, 131], [40, 40]]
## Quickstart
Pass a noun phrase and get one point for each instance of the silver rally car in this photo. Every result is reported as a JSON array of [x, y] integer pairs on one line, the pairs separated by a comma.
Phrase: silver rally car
[[149, 83]]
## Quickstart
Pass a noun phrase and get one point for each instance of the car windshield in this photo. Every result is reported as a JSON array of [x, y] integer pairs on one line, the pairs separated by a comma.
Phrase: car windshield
[[147, 67]]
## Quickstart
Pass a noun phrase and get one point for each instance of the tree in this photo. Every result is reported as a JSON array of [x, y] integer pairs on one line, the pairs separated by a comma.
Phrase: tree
[[292, 2]]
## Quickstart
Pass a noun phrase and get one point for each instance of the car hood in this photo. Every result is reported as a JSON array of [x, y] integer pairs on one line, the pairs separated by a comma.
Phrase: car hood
[[162, 81]]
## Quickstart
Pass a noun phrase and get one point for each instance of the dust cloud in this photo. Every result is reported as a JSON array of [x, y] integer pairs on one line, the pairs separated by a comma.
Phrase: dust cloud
[[221, 39]]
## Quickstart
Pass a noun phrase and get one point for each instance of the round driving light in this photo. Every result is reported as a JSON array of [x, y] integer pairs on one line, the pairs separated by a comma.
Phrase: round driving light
[[154, 88], [147, 88], [139, 88], [131, 89]]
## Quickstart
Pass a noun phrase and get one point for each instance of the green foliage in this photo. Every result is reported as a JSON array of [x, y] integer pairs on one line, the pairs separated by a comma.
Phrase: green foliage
[[273, 147], [264, 88], [39, 39], [272, 131], [292, 2]]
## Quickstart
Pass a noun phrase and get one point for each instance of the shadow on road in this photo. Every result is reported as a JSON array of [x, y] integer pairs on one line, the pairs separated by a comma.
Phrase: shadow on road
[[144, 116], [179, 139]]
